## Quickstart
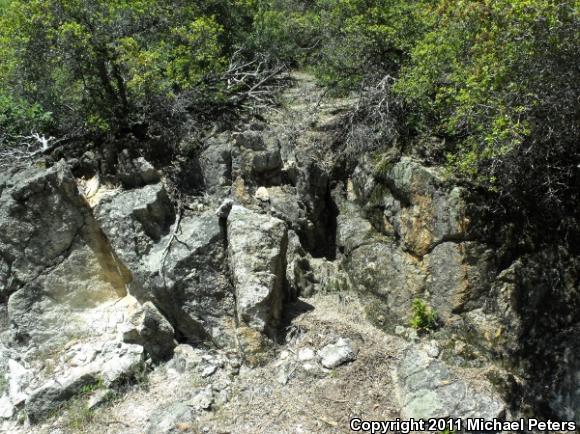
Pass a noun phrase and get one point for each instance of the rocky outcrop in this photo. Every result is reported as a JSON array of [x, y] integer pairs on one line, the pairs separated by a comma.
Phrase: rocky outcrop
[[256, 158], [135, 220], [60, 264], [257, 256], [136, 172], [149, 328], [459, 276], [206, 288], [419, 206], [187, 278], [117, 362], [184, 274], [428, 388], [383, 269], [216, 164]]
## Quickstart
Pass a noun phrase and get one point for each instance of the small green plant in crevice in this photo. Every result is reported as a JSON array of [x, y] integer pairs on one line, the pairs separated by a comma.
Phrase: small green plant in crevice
[[423, 317], [92, 387]]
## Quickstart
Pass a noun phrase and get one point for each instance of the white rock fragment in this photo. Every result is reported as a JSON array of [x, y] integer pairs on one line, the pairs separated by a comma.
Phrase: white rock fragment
[[19, 379], [262, 194], [306, 354], [334, 355], [203, 400]]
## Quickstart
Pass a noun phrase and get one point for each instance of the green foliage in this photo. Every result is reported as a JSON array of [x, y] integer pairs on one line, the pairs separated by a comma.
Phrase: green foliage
[[18, 116], [363, 39], [423, 317], [107, 66], [286, 32], [498, 80]]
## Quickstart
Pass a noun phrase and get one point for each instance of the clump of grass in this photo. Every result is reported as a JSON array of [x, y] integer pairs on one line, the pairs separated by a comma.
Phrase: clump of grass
[[3, 383], [78, 415], [423, 317]]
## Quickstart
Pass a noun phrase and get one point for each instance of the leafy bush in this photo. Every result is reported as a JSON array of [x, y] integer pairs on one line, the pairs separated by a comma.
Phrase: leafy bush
[[423, 317], [365, 40], [498, 81], [114, 67]]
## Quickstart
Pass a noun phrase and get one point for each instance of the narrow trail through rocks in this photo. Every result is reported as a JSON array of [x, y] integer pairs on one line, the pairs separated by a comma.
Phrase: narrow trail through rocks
[[291, 393]]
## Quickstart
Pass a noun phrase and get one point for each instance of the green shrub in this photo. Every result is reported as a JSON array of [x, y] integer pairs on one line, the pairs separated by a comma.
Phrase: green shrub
[[110, 68], [423, 317], [498, 81]]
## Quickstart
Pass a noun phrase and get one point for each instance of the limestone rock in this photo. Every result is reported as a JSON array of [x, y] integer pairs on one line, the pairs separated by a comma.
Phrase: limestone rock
[[383, 269], [262, 194], [203, 399], [429, 388], [60, 264], [257, 254], [216, 163], [189, 282], [171, 419], [256, 158], [116, 362], [136, 172], [353, 230], [459, 275], [224, 209], [49, 397], [417, 203], [299, 274], [135, 220], [334, 355], [149, 328]]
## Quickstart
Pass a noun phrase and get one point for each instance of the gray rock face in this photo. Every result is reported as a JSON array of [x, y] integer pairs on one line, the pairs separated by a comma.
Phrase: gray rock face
[[216, 164], [353, 230], [135, 220], [385, 270], [149, 328], [41, 214], [116, 362], [334, 355], [418, 206], [188, 280], [58, 262], [459, 275], [171, 419], [428, 388], [136, 172], [190, 285], [298, 268], [257, 255], [50, 396], [256, 158]]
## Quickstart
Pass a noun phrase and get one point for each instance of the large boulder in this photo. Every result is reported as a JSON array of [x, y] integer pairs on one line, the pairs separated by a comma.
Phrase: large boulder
[[182, 270], [57, 261], [149, 328], [257, 255], [186, 277], [428, 388], [134, 220]]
